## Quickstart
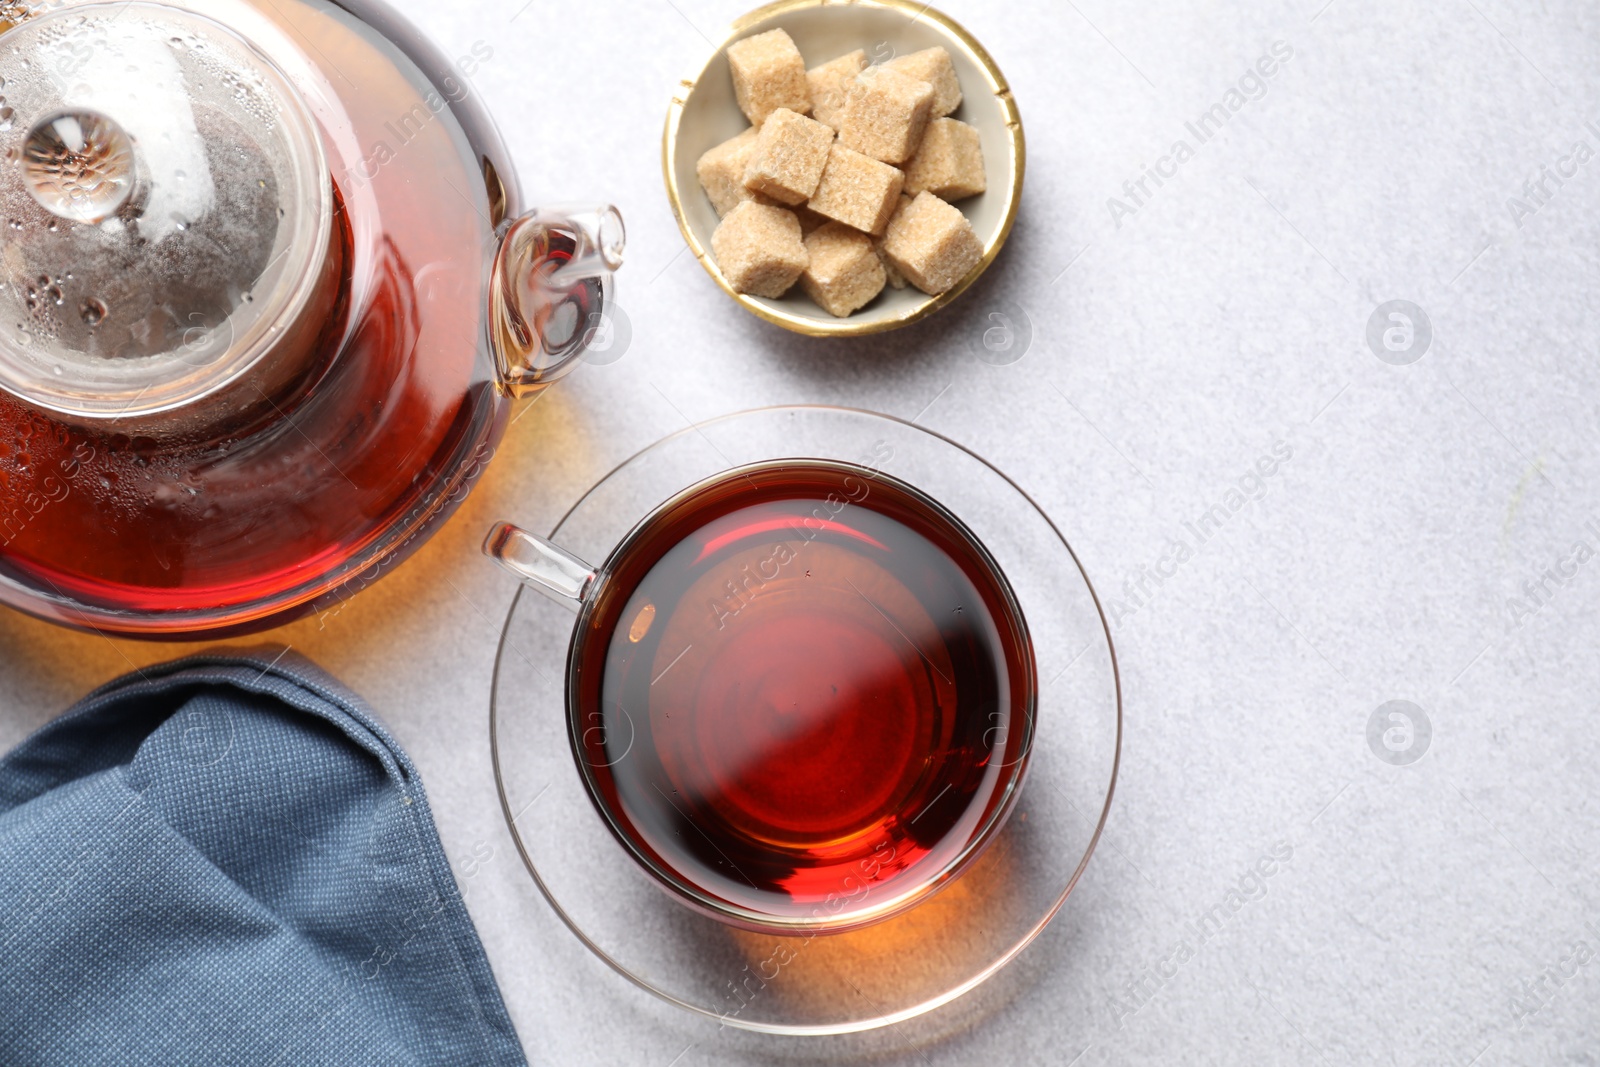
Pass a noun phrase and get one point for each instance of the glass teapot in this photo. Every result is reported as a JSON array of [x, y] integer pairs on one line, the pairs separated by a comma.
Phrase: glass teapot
[[267, 295]]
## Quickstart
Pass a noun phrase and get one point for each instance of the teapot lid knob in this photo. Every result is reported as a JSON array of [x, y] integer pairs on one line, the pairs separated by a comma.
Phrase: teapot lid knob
[[166, 207]]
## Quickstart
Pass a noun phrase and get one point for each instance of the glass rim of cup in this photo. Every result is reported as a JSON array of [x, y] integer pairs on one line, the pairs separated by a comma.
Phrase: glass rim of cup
[[747, 918]]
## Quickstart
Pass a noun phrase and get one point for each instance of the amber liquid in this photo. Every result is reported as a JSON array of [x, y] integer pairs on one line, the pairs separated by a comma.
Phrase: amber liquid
[[804, 696], [318, 493]]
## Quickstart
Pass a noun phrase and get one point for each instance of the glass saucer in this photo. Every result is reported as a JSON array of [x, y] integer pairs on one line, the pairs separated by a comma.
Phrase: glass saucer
[[825, 983]]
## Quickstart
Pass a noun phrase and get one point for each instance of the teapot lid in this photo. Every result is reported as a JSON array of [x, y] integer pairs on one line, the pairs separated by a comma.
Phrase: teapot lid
[[165, 202]]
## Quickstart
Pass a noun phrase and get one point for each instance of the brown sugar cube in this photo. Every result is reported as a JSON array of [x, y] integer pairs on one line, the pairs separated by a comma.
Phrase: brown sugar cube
[[857, 190], [891, 272], [949, 164], [721, 172], [844, 273], [885, 113], [768, 73], [830, 83], [789, 155], [932, 65], [932, 244], [758, 249]]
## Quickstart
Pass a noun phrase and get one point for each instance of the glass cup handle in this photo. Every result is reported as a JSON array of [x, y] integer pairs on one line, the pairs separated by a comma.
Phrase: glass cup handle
[[552, 570]]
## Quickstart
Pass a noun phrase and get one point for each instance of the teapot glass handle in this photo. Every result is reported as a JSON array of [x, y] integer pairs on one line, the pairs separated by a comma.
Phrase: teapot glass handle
[[551, 284]]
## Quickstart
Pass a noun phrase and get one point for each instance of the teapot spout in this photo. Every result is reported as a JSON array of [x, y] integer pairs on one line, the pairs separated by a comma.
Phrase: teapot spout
[[550, 292]]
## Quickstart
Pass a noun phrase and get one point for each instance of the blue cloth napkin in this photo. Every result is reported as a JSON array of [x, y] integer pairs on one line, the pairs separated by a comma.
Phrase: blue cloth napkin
[[228, 860]]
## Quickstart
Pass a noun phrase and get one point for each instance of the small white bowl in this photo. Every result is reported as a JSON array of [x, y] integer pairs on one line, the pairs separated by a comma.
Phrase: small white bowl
[[704, 114]]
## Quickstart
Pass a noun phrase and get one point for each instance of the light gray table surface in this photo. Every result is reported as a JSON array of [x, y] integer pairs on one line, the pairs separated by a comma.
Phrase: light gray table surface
[[1427, 541]]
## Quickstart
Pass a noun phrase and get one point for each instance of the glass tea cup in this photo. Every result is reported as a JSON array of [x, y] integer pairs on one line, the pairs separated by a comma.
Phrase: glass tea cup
[[800, 693]]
